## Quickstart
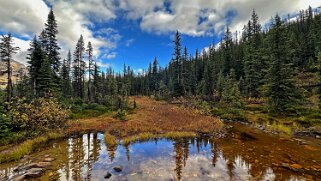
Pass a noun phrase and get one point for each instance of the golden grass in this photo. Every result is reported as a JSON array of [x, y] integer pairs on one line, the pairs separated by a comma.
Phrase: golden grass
[[148, 136], [110, 140], [151, 116], [27, 147]]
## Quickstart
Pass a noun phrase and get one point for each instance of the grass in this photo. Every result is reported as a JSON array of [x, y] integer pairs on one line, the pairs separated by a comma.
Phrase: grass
[[110, 140], [149, 136], [153, 117], [27, 147]]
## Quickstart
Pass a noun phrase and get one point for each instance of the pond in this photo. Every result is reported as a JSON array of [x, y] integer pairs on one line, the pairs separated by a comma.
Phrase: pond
[[88, 158]]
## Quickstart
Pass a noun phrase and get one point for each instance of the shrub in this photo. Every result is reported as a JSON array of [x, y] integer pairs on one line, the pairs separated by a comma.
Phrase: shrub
[[121, 115], [40, 114]]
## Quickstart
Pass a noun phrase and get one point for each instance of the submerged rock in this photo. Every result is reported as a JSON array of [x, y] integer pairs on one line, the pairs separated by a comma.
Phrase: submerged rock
[[108, 175], [118, 168], [43, 164], [20, 178], [34, 172], [48, 159]]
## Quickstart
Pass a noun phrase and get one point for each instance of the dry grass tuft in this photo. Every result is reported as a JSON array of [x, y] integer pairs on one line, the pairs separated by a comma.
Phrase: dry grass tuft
[[110, 139]]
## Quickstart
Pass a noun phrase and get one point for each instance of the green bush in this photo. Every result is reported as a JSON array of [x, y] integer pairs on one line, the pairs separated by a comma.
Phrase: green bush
[[121, 115]]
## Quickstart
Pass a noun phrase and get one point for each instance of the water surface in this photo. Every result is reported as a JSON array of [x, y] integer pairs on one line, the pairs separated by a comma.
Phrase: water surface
[[88, 158]]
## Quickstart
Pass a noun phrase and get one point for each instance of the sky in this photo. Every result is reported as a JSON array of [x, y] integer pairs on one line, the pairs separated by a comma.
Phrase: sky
[[134, 32]]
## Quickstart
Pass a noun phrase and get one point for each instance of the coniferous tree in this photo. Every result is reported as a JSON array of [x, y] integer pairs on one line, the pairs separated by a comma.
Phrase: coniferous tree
[[79, 69], [90, 69], [281, 90], [35, 56], [45, 79], [252, 58], [51, 44], [177, 78], [7, 50]]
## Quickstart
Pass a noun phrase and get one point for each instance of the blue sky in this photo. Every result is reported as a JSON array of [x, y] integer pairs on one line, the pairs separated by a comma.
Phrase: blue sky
[[135, 31]]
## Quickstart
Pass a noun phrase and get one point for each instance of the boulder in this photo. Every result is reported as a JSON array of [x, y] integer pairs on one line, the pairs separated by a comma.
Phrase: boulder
[[108, 175], [118, 168]]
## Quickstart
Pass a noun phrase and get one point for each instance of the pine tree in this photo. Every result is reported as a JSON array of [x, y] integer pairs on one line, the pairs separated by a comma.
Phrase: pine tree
[[45, 79], [51, 45], [231, 94], [79, 69], [65, 78], [281, 90], [177, 79], [90, 69], [252, 59], [35, 56], [7, 50]]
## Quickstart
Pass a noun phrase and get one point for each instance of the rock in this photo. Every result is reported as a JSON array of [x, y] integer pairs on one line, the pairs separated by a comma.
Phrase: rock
[[108, 175], [30, 165], [43, 164], [34, 172], [285, 165], [318, 137], [48, 159], [296, 166], [20, 178], [118, 168], [46, 156]]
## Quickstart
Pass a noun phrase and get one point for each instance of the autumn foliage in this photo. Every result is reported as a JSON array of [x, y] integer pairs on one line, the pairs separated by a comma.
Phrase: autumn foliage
[[39, 114]]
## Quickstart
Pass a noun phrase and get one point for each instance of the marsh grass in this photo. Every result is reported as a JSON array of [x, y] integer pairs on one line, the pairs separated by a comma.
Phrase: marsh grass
[[149, 136], [27, 147], [110, 140]]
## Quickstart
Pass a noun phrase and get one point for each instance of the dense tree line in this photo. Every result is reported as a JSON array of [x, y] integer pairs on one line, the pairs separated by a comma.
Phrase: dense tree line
[[260, 64]]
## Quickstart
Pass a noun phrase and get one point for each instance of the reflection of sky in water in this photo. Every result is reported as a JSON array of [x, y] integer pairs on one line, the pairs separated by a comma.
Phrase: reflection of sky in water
[[88, 158]]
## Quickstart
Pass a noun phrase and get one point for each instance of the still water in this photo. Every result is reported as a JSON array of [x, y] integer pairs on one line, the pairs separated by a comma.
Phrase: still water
[[88, 158]]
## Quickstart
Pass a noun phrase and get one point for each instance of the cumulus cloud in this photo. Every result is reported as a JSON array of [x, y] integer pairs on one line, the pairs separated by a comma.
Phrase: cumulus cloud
[[74, 18], [190, 17], [208, 17]]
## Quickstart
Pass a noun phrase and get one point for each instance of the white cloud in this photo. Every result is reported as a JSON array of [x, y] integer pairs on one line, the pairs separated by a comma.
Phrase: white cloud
[[129, 42], [205, 17], [111, 55], [190, 17], [74, 18]]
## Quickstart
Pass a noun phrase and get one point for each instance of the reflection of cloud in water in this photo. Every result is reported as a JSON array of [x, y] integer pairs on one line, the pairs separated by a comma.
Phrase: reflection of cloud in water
[[88, 158]]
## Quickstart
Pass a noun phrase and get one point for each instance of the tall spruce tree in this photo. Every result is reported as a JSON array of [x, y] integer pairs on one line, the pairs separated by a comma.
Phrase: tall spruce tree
[[79, 69], [35, 58], [90, 69], [51, 44], [281, 90], [252, 58], [177, 79]]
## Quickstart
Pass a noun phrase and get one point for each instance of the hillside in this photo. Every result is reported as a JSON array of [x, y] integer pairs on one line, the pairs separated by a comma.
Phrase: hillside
[[17, 69]]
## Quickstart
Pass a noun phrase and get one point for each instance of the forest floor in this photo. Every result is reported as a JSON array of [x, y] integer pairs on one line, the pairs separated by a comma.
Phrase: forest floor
[[151, 116]]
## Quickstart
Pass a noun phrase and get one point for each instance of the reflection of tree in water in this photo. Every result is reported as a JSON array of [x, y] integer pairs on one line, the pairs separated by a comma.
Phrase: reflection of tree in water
[[84, 152], [181, 149], [111, 152], [127, 152], [215, 152]]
